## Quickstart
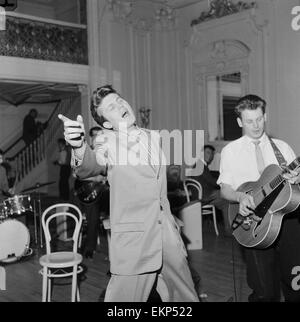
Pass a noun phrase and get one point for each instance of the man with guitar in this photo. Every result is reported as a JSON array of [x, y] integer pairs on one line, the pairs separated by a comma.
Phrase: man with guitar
[[256, 157]]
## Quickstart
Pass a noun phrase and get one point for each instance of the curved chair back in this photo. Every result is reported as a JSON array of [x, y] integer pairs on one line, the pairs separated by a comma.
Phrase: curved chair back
[[190, 184], [62, 209]]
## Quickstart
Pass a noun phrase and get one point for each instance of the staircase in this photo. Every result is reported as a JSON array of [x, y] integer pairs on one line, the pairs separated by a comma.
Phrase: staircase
[[32, 164]]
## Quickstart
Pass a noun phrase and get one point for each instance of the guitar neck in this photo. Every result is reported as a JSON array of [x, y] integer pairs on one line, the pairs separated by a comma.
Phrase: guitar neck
[[267, 188], [293, 166]]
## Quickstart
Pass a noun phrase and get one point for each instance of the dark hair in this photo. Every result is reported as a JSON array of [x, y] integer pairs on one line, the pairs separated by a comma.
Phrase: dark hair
[[250, 102], [208, 146], [95, 128], [97, 98], [1, 152]]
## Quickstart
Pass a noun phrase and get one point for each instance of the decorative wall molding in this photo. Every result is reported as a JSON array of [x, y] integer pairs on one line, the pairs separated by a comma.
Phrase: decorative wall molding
[[222, 57], [250, 22], [221, 8], [143, 16], [233, 43]]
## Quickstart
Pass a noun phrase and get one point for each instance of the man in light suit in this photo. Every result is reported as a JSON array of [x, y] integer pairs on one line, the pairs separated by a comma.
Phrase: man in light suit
[[146, 248]]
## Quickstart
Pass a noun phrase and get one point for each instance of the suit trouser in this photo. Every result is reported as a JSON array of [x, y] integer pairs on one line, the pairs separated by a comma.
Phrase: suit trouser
[[174, 280], [277, 268]]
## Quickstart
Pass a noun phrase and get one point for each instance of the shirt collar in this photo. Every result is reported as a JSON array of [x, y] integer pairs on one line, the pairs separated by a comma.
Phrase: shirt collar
[[263, 139]]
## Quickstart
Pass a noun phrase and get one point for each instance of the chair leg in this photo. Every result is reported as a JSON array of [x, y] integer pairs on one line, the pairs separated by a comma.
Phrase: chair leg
[[45, 284], [215, 221], [74, 284], [78, 295], [49, 290]]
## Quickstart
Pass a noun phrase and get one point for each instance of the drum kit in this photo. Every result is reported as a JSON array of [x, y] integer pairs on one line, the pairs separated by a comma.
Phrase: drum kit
[[14, 235]]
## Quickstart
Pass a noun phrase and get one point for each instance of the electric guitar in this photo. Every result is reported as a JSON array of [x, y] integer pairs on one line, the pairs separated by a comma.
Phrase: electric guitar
[[89, 192], [274, 197]]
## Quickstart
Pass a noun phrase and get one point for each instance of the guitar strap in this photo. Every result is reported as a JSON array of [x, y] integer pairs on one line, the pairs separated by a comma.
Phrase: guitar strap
[[280, 158]]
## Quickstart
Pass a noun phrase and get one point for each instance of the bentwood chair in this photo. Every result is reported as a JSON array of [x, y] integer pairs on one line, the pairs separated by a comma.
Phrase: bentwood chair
[[62, 263], [207, 209]]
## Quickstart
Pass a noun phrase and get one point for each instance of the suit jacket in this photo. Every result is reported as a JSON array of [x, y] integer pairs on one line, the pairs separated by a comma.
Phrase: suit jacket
[[138, 200]]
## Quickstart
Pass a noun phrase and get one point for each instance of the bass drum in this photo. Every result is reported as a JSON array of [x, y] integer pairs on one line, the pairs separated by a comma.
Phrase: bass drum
[[14, 241]]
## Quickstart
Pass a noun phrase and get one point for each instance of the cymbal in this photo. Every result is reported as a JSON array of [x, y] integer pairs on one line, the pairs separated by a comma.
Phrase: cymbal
[[38, 186]]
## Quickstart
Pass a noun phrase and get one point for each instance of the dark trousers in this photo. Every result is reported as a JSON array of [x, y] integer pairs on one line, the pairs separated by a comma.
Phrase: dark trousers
[[93, 224], [274, 269], [215, 199], [94, 212], [64, 186]]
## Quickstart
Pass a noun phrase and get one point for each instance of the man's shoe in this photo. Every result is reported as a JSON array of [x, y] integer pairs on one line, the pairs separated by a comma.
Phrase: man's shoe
[[202, 297]]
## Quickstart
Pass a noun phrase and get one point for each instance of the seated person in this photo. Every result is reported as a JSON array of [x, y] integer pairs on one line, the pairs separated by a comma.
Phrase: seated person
[[210, 190]]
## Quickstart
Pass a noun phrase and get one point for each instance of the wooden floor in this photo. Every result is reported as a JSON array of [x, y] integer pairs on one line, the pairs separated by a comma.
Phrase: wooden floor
[[219, 264]]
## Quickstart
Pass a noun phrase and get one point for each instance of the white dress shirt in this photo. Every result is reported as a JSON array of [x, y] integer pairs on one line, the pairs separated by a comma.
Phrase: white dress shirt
[[238, 159]]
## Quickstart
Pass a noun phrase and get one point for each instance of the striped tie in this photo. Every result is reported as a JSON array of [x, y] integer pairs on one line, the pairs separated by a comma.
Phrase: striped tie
[[259, 157]]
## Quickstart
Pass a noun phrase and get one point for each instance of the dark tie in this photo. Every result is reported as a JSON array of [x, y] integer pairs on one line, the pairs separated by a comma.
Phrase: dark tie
[[259, 157]]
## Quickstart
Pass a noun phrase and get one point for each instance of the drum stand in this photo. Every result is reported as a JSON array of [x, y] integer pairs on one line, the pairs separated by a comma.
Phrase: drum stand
[[37, 212]]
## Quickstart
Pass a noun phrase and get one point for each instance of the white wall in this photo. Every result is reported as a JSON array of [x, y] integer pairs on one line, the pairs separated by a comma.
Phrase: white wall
[[287, 82]]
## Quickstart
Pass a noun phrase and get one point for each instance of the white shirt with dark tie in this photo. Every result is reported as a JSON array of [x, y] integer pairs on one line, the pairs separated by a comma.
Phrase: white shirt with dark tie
[[238, 159]]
